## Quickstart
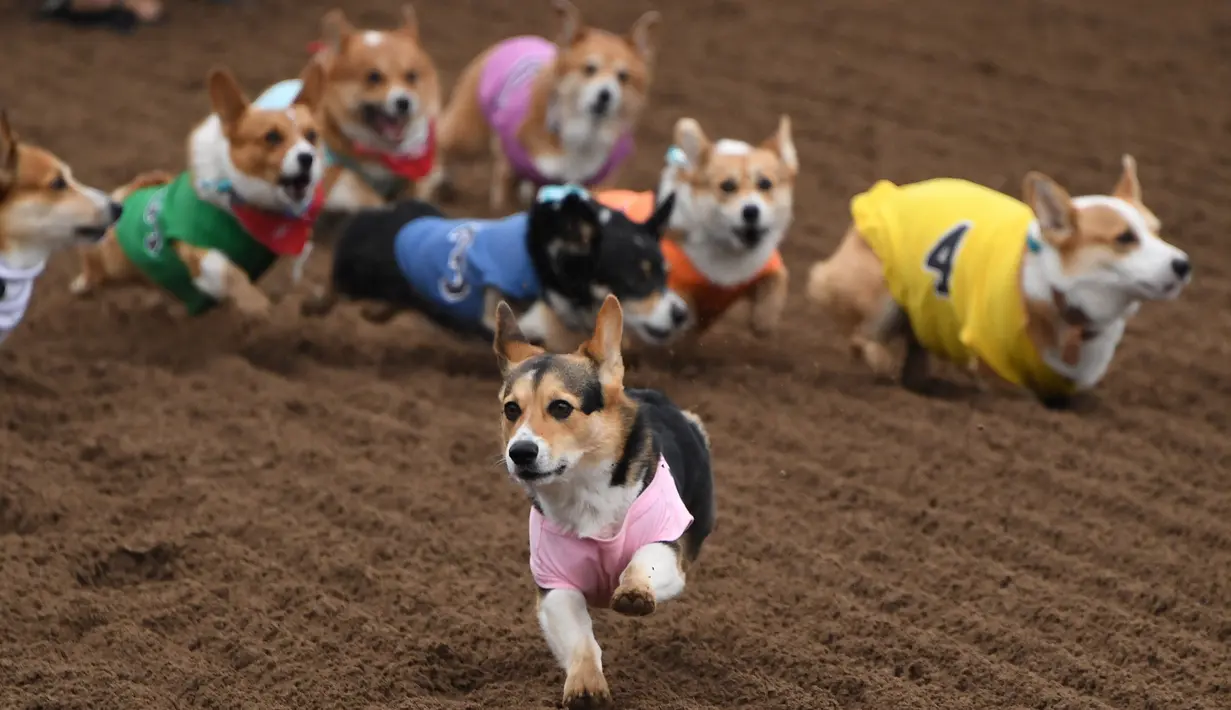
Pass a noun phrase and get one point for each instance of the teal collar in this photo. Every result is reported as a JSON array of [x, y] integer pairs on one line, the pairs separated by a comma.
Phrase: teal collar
[[1033, 244]]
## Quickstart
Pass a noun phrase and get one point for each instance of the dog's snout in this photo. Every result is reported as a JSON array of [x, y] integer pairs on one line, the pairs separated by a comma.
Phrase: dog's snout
[[305, 161], [751, 214], [115, 209], [1182, 267], [679, 314], [603, 98], [402, 105], [523, 453]]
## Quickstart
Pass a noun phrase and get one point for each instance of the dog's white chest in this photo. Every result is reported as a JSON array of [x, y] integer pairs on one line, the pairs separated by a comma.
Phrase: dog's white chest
[[18, 288]]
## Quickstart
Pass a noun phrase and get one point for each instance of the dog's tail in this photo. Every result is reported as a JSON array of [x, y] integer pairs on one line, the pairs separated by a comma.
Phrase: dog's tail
[[695, 420], [150, 178]]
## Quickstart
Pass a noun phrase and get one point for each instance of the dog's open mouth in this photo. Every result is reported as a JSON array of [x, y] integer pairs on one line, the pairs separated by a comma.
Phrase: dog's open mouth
[[749, 235], [391, 127], [296, 186], [93, 232]]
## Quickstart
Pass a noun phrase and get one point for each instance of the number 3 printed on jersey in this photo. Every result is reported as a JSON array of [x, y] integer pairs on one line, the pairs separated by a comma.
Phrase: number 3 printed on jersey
[[453, 286], [941, 257]]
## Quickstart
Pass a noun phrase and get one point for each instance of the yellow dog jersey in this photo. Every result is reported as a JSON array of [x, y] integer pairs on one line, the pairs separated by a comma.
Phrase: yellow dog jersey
[[952, 252]]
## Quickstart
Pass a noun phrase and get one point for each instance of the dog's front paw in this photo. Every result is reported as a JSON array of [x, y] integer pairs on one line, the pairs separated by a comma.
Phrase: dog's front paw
[[633, 600], [80, 285], [586, 688], [254, 305]]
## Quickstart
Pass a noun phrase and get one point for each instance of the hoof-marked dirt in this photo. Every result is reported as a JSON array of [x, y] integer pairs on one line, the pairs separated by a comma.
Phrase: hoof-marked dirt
[[309, 515]]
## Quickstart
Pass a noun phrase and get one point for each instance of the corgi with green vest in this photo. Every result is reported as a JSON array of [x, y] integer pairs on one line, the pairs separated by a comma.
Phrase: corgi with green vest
[[251, 194]]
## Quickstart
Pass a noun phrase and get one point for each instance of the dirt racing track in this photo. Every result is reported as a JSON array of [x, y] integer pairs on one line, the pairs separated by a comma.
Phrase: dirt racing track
[[311, 514]]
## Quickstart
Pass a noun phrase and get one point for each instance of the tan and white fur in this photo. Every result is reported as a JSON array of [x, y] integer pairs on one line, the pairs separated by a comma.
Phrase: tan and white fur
[[382, 92], [1101, 258], [734, 206], [43, 210], [272, 160], [582, 446], [591, 64]]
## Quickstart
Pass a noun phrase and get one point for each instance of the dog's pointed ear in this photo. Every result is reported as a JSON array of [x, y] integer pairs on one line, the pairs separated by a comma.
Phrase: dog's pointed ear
[[1052, 207], [1129, 187], [657, 223], [510, 344], [604, 347], [312, 90], [783, 144], [8, 154], [410, 22], [226, 96], [643, 35], [690, 139], [336, 29], [572, 24]]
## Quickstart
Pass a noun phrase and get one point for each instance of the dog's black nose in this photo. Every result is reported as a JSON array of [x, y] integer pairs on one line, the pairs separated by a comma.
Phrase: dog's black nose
[[305, 161], [116, 210], [1181, 267], [679, 314], [402, 105], [751, 214], [602, 102], [524, 453]]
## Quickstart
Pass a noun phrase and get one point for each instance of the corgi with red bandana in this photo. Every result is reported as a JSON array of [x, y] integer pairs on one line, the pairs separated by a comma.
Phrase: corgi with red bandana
[[378, 112], [43, 209], [552, 112], [251, 194]]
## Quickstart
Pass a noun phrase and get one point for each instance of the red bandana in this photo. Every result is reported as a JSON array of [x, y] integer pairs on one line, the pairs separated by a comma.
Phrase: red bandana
[[282, 234]]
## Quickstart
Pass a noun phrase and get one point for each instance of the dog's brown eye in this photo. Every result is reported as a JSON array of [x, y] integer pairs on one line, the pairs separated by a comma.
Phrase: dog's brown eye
[[1127, 238], [728, 186], [591, 69], [412, 77], [59, 183], [273, 137], [764, 184], [374, 77], [623, 76], [559, 409], [310, 136], [512, 412]]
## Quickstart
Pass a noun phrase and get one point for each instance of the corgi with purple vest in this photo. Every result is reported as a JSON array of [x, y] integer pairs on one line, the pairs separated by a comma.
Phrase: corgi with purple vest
[[551, 113]]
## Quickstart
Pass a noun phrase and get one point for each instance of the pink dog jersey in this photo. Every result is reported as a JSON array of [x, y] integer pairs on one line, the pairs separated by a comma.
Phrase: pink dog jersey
[[592, 566], [504, 95]]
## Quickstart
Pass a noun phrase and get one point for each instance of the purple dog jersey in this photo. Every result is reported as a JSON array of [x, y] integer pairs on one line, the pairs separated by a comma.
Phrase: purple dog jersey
[[504, 94]]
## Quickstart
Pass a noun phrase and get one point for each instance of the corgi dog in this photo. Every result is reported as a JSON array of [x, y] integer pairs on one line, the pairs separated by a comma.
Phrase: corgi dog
[[1033, 294], [620, 485], [558, 260], [550, 113], [734, 204], [250, 195], [43, 209], [378, 111]]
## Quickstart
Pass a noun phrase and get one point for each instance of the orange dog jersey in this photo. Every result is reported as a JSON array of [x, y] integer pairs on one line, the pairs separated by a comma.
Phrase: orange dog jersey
[[707, 299]]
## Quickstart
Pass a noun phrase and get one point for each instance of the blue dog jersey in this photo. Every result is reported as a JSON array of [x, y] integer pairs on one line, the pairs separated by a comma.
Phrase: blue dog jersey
[[452, 263]]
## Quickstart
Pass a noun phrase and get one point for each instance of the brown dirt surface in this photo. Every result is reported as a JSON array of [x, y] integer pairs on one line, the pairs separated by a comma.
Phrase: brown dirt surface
[[310, 515]]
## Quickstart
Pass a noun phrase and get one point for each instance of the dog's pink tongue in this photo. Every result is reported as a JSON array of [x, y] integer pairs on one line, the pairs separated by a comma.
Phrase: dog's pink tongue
[[391, 130]]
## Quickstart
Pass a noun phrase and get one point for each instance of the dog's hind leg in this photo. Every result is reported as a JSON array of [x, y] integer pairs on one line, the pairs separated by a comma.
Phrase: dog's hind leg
[[320, 302]]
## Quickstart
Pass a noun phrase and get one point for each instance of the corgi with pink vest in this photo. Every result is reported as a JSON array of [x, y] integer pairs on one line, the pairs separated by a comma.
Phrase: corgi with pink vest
[[551, 112]]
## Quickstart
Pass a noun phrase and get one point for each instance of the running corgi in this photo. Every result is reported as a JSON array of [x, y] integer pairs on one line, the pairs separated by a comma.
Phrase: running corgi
[[552, 112], [1034, 293]]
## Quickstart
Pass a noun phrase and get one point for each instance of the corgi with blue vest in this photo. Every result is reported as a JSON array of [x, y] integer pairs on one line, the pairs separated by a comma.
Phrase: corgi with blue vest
[[556, 262]]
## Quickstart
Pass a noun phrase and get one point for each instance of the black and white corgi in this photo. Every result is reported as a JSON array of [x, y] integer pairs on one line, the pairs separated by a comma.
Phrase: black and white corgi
[[620, 483], [558, 261]]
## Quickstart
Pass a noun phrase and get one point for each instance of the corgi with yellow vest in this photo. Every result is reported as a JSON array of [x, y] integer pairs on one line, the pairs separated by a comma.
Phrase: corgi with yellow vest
[[1034, 294]]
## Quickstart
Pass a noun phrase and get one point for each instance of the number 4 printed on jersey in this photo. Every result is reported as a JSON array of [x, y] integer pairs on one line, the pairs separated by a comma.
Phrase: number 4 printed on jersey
[[941, 257]]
